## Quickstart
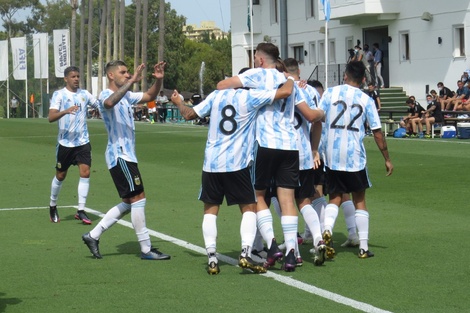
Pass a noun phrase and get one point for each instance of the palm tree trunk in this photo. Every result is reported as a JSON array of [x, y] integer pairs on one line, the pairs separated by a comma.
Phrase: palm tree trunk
[[116, 30], [101, 45], [137, 39], [81, 63], [109, 8], [89, 55], [122, 20], [145, 9], [73, 39]]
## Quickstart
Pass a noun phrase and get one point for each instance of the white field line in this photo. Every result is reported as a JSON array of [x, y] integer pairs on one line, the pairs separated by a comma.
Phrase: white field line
[[361, 306]]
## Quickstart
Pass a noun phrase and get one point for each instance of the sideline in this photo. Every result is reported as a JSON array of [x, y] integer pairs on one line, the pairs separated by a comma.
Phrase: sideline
[[364, 307]]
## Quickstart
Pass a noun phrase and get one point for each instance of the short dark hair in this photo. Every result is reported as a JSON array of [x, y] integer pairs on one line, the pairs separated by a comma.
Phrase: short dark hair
[[356, 70], [113, 64], [243, 70], [269, 49], [291, 65], [440, 84], [315, 83], [70, 69]]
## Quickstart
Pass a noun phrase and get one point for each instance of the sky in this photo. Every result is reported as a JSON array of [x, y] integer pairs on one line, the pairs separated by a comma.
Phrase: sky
[[197, 11]]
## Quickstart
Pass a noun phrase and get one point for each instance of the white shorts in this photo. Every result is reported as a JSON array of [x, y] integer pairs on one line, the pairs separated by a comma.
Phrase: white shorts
[[152, 110]]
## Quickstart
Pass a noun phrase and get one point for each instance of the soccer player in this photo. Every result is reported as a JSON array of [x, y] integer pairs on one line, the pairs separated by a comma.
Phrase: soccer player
[[305, 192], [227, 161], [69, 106], [277, 154], [116, 109], [347, 108]]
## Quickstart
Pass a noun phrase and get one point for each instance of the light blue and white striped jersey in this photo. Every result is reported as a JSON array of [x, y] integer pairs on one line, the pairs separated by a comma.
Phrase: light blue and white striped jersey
[[73, 129], [230, 140], [346, 109], [275, 123], [119, 122], [303, 127]]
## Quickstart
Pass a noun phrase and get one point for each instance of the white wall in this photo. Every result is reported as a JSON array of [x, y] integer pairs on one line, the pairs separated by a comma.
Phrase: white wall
[[429, 62]]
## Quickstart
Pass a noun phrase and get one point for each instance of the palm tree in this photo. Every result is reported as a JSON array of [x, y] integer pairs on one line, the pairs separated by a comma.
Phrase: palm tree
[[73, 39], [145, 9], [89, 45], [138, 13]]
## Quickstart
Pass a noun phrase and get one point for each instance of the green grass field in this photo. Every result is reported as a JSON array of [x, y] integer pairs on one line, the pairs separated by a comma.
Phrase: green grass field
[[418, 232]]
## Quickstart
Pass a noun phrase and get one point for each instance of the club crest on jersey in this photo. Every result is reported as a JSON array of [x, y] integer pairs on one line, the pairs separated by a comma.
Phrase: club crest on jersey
[[137, 180], [59, 165]]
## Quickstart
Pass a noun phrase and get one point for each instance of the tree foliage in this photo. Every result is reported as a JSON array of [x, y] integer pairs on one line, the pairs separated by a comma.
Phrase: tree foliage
[[183, 56]]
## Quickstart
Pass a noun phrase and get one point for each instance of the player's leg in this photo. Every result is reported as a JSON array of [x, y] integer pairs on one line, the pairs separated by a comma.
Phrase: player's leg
[[349, 216], [83, 159], [362, 222]]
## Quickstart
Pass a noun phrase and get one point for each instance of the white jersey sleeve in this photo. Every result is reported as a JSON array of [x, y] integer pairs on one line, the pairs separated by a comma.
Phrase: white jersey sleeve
[[119, 123]]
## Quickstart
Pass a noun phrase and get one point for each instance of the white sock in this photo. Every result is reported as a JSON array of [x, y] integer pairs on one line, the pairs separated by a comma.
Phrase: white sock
[[248, 232], [209, 232], [289, 228], [313, 223], [349, 216], [140, 226], [362, 222], [83, 187], [264, 220], [111, 217], [319, 205], [276, 206], [331, 213], [56, 185], [258, 242]]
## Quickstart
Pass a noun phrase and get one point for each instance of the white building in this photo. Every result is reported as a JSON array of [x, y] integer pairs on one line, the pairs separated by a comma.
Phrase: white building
[[424, 41]]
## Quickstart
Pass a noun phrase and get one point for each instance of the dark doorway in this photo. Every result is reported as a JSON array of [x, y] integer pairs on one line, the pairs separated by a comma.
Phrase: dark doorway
[[380, 36]]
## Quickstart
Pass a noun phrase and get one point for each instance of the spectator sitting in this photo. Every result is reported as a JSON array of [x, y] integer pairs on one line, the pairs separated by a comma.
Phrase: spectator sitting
[[464, 78], [414, 114], [450, 102], [462, 95], [444, 93], [434, 95], [432, 115]]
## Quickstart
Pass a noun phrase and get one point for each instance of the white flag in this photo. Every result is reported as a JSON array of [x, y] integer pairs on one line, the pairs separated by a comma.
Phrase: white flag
[[41, 55], [61, 51], [18, 51], [4, 60]]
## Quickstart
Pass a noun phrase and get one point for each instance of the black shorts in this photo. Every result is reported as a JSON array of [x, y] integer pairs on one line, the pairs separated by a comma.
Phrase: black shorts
[[307, 186], [127, 179], [280, 166], [319, 174], [237, 187], [68, 156], [346, 182]]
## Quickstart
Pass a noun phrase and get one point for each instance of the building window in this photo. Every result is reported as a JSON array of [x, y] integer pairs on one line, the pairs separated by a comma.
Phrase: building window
[[313, 54], [349, 45], [331, 51], [299, 54], [274, 10], [404, 46], [321, 52], [255, 2], [459, 41], [310, 8]]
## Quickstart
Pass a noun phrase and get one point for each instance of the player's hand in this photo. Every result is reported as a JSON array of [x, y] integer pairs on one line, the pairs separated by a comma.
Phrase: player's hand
[[316, 160], [72, 109], [159, 70], [138, 73], [302, 83], [389, 167], [175, 97]]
